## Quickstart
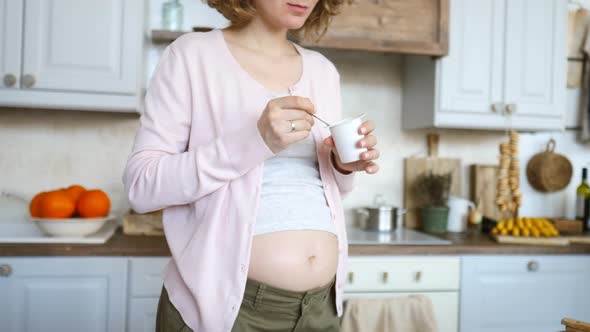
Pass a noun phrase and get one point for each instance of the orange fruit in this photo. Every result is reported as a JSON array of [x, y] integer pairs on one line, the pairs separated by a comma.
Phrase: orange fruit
[[56, 204], [34, 207], [75, 191], [93, 203]]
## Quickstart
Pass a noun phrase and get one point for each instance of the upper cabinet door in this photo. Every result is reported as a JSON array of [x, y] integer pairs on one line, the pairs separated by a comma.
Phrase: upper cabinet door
[[84, 46], [535, 81], [11, 26], [471, 75]]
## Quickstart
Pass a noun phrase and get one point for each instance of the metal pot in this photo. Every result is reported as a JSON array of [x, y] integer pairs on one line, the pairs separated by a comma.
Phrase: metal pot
[[381, 217]]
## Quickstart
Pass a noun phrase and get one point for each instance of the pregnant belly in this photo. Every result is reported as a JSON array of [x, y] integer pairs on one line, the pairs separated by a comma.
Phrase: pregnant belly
[[295, 260]]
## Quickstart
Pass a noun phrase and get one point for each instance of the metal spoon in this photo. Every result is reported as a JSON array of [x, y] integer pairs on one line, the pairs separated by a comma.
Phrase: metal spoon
[[315, 116]]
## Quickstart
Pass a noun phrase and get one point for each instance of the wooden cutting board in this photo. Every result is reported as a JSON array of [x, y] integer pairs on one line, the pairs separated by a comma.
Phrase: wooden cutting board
[[543, 241], [578, 239], [537, 241], [414, 168], [483, 186], [143, 224]]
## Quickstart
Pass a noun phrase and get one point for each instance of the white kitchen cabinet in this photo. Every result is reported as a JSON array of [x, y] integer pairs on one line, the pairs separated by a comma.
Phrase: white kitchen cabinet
[[536, 59], [11, 16], [145, 286], [63, 294], [437, 278], [77, 54], [142, 314], [523, 293], [506, 68]]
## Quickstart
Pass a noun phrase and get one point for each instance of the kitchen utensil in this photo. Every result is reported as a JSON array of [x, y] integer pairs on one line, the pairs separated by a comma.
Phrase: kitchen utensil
[[565, 226], [28, 232], [483, 187], [381, 217], [574, 325], [317, 117], [346, 136], [548, 171], [578, 239], [70, 227], [415, 167], [537, 241], [143, 224], [458, 210]]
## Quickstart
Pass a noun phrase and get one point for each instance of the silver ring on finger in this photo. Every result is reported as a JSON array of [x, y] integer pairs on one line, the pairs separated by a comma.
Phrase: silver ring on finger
[[293, 128]]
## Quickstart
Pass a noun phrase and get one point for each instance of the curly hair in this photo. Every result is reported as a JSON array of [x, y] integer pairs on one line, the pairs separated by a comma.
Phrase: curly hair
[[240, 12]]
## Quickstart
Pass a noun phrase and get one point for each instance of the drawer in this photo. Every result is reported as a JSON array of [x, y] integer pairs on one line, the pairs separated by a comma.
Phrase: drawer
[[146, 275], [393, 273]]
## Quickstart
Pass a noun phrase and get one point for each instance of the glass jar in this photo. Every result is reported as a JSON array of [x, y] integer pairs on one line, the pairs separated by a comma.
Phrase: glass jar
[[172, 15]]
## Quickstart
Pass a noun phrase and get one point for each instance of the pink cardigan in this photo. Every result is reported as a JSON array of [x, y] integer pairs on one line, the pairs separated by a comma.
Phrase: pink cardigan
[[198, 155]]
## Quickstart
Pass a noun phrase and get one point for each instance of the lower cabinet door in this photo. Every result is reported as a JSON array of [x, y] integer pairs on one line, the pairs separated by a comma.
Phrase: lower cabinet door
[[142, 314], [523, 293], [445, 304], [63, 294]]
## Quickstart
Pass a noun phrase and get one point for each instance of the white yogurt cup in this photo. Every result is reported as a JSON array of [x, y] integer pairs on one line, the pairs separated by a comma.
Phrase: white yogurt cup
[[345, 134]]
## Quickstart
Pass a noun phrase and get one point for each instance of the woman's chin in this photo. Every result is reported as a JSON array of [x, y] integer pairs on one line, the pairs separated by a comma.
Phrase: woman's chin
[[293, 23]]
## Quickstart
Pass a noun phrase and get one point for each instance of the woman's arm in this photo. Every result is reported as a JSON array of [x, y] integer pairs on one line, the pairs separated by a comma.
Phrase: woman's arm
[[160, 172]]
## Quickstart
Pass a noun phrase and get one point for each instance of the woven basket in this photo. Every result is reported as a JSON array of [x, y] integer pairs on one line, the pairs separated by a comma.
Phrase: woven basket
[[549, 171]]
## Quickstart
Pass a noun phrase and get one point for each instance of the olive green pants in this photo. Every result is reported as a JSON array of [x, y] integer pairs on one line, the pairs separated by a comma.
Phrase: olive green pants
[[266, 308]]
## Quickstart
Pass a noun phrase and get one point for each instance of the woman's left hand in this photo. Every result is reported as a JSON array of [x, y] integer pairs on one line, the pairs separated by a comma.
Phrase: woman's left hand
[[366, 163]]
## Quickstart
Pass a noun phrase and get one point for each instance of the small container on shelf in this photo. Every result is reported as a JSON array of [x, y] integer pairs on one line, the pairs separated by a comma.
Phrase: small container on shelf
[[172, 15]]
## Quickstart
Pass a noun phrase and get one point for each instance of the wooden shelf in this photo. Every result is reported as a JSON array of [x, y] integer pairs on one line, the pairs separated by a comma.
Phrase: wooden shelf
[[167, 36]]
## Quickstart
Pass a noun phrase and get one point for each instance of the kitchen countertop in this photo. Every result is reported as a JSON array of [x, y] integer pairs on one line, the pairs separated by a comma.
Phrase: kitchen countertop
[[124, 245]]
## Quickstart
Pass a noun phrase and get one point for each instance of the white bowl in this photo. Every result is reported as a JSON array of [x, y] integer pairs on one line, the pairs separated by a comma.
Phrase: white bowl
[[70, 227]]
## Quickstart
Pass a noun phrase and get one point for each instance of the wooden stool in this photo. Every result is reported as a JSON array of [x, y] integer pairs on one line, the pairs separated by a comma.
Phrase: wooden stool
[[573, 325]]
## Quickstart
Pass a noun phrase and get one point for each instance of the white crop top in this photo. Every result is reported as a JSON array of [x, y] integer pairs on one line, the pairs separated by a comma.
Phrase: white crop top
[[292, 195]]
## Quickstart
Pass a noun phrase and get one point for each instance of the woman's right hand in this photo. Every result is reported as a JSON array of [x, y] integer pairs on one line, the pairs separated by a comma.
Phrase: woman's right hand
[[275, 122]]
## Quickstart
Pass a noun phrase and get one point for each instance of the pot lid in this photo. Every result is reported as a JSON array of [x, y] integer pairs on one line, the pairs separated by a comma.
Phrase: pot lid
[[379, 203]]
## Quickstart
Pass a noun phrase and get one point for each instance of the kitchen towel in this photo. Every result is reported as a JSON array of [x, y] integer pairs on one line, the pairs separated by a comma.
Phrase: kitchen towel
[[413, 313]]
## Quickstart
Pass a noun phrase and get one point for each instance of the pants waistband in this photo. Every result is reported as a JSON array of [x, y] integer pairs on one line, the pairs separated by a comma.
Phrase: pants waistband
[[253, 288]]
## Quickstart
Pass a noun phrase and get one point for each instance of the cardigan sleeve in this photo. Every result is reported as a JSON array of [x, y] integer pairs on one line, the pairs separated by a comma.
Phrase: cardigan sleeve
[[160, 171], [344, 181]]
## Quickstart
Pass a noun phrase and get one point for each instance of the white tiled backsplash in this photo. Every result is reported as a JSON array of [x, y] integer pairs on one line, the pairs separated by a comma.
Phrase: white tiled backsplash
[[43, 149]]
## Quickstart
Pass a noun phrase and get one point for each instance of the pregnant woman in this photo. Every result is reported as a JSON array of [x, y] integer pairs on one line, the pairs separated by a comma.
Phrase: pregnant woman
[[250, 184]]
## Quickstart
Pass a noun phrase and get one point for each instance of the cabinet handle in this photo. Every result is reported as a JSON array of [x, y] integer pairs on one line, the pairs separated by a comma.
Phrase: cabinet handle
[[532, 266], [28, 81], [497, 107], [5, 270], [350, 277], [510, 109], [385, 277], [418, 276], [9, 80]]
